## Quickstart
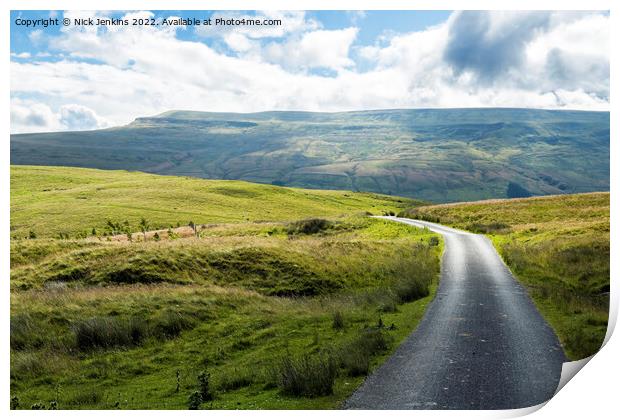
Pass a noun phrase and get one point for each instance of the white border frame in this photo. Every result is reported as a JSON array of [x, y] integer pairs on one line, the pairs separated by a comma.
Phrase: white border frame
[[591, 394]]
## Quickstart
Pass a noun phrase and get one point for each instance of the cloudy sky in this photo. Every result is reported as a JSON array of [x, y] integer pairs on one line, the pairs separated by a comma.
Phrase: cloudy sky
[[80, 78]]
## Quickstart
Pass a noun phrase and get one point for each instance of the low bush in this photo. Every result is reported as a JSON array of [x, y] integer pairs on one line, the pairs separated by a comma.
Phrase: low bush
[[415, 278], [204, 386], [337, 320], [108, 332], [386, 301], [355, 356], [355, 362], [194, 400], [135, 275], [410, 289], [307, 376], [23, 333], [308, 226], [372, 341], [27, 364], [494, 227], [416, 214]]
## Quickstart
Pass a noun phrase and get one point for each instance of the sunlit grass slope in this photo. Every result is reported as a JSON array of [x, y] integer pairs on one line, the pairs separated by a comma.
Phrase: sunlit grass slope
[[558, 246], [53, 200]]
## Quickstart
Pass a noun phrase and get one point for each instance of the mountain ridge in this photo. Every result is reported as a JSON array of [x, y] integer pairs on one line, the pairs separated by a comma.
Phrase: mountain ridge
[[440, 155]]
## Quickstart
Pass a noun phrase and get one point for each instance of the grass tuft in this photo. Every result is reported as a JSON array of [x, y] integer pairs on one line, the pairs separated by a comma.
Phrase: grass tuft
[[337, 320], [308, 227], [109, 332], [307, 376]]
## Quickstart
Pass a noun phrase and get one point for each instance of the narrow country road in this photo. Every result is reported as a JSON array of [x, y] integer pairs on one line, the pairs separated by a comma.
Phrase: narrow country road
[[482, 344]]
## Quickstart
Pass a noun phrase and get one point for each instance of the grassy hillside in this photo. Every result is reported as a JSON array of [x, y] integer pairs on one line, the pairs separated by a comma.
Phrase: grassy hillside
[[439, 155], [50, 201], [250, 314], [558, 247]]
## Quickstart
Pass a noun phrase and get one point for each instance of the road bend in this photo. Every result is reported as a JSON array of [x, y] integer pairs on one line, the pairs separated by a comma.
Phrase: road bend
[[481, 344]]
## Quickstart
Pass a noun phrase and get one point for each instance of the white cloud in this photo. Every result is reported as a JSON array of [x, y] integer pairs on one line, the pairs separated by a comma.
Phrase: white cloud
[[78, 117], [238, 42], [21, 55], [322, 48], [36, 36], [31, 116], [560, 61]]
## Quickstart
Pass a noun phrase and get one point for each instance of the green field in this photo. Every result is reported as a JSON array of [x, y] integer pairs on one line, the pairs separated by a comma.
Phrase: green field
[[439, 155], [558, 246], [279, 308], [50, 201]]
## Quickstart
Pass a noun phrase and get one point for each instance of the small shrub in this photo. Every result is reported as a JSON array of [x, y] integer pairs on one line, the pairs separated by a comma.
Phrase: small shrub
[[156, 237], [494, 227], [37, 406], [23, 333], [135, 274], [144, 227], [356, 355], [194, 227], [32, 235], [372, 341], [206, 394], [116, 228], [433, 241], [107, 332], [307, 376], [355, 362], [14, 403], [416, 214], [337, 320], [194, 400], [309, 226], [27, 364], [415, 278], [410, 289], [584, 341], [387, 303]]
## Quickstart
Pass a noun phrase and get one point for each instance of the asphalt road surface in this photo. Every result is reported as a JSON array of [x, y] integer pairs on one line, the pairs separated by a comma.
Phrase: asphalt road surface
[[482, 344]]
